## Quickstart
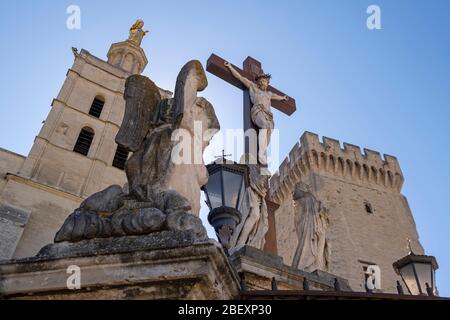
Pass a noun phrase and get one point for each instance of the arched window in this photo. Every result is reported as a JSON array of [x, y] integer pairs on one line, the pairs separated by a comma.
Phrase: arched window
[[120, 158], [84, 141], [97, 106]]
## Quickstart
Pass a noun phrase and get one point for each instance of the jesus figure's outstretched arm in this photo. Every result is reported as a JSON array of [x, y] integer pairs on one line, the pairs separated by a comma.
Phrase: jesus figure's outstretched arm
[[247, 83], [279, 98]]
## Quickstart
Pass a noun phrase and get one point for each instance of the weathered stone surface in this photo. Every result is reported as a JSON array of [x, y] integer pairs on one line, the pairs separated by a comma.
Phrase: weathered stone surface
[[197, 119], [311, 223], [190, 80], [90, 225], [158, 240], [167, 265], [142, 97], [255, 224], [151, 168], [345, 180], [108, 200], [152, 202], [258, 268], [182, 221], [12, 223], [134, 218]]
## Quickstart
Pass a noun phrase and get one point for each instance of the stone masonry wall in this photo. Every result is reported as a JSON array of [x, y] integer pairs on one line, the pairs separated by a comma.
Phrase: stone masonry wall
[[349, 183]]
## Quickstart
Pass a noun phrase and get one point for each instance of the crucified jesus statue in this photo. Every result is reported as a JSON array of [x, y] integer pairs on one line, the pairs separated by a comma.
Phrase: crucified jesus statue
[[261, 113]]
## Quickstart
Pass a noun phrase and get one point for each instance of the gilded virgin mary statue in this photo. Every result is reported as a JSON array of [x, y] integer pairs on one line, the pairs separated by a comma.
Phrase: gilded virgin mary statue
[[137, 33]]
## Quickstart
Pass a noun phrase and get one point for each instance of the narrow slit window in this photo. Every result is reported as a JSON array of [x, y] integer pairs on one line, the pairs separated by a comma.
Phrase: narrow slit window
[[120, 158], [368, 208], [84, 141]]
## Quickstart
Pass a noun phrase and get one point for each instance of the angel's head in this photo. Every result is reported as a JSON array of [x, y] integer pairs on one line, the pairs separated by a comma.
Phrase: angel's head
[[263, 81]]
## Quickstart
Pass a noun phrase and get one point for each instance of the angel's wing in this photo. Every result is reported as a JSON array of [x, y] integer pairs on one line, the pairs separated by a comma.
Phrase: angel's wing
[[142, 97], [191, 79]]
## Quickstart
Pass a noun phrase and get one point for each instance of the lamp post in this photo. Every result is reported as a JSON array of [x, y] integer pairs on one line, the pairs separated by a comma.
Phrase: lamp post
[[224, 194], [418, 273]]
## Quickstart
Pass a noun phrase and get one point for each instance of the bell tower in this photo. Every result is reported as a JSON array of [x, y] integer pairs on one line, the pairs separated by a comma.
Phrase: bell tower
[[127, 56], [75, 153]]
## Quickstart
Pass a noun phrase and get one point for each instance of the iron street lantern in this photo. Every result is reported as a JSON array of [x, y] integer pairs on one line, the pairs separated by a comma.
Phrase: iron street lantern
[[224, 194], [418, 273]]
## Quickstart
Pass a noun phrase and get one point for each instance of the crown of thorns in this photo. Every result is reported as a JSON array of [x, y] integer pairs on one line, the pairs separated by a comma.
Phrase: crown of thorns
[[264, 76]]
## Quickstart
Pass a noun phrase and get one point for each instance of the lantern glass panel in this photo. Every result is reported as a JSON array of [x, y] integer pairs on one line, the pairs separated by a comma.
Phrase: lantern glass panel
[[407, 273], [424, 274], [241, 196], [232, 183], [214, 190]]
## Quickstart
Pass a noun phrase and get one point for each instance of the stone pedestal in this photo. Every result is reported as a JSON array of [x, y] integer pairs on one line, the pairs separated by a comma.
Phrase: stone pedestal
[[166, 265], [257, 269]]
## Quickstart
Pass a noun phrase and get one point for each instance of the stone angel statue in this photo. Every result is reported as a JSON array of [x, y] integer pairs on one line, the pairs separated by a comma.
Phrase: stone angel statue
[[147, 129], [137, 33], [161, 195]]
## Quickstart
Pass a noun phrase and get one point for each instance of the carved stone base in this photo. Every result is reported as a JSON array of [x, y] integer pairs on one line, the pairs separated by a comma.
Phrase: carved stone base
[[257, 269], [166, 265], [112, 213]]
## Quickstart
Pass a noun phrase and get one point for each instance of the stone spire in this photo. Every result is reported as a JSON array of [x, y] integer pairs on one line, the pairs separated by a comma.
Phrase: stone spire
[[128, 55]]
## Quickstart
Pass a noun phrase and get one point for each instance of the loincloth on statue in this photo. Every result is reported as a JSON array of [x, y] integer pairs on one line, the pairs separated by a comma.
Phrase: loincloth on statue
[[261, 117]]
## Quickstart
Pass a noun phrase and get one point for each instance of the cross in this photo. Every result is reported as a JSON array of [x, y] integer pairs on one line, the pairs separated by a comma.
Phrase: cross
[[409, 247], [223, 156], [251, 69]]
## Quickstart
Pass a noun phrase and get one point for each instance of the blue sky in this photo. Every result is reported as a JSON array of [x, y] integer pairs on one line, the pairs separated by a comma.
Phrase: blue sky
[[386, 90]]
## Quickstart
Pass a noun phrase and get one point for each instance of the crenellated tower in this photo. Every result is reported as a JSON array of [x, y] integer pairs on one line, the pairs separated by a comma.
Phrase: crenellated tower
[[370, 219]]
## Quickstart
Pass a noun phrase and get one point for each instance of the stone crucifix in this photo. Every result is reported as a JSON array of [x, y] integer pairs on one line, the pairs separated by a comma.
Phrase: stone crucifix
[[259, 96]]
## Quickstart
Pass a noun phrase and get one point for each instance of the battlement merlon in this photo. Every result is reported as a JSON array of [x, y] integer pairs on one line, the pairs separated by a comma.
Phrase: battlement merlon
[[311, 141], [327, 155]]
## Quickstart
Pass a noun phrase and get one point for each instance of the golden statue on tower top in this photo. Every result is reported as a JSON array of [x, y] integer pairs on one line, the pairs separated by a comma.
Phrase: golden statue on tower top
[[137, 33]]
